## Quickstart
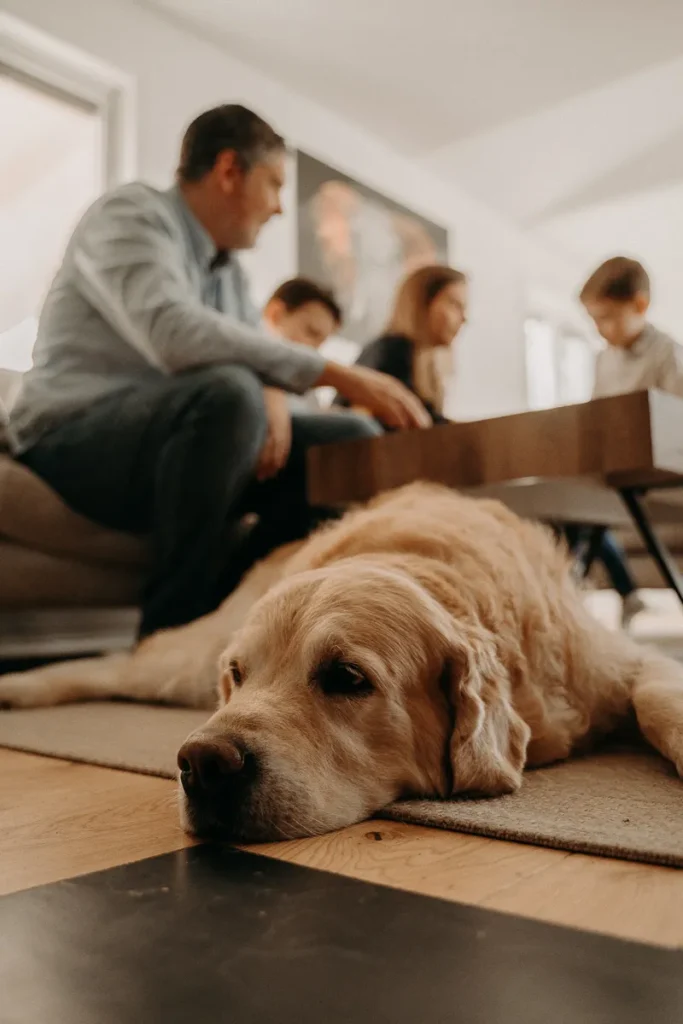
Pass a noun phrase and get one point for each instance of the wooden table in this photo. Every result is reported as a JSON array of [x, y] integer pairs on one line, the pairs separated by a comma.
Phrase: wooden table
[[591, 463]]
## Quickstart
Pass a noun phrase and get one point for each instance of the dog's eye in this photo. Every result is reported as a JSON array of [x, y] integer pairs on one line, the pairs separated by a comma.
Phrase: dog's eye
[[341, 679], [236, 673]]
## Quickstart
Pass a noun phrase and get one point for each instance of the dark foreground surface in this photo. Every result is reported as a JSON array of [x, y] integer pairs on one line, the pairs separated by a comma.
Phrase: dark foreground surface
[[211, 935]]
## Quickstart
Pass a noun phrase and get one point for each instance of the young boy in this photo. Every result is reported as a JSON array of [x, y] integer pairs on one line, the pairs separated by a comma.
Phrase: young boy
[[301, 310], [638, 356]]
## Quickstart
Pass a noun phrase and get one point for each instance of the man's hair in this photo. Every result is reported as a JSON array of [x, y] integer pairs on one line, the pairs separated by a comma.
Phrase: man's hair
[[619, 279], [230, 126], [300, 290]]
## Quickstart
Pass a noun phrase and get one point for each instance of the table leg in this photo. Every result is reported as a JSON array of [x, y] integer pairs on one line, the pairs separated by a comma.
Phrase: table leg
[[633, 499]]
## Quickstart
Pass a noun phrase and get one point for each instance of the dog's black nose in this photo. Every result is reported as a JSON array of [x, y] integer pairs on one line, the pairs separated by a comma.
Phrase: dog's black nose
[[210, 767]]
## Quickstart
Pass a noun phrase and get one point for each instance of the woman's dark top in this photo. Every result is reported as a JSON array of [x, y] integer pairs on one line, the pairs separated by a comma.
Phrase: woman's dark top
[[393, 354]]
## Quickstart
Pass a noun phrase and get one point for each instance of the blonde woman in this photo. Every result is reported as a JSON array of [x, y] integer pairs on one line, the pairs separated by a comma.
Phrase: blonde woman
[[430, 309]]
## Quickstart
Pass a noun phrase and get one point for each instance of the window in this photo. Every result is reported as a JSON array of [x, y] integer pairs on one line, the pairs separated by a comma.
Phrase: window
[[50, 170], [576, 369], [67, 134], [559, 364], [540, 364]]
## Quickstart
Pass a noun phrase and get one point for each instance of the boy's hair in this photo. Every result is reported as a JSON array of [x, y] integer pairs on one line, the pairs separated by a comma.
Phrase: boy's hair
[[299, 291], [230, 126], [619, 279]]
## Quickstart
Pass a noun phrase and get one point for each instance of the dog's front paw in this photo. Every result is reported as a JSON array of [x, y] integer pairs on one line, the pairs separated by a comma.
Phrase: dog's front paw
[[19, 690]]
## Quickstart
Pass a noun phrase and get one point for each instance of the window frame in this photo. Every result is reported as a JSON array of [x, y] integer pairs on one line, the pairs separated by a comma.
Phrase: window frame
[[29, 54]]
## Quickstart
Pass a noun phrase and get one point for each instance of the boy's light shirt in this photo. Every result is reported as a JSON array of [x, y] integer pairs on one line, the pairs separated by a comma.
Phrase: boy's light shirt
[[655, 360]]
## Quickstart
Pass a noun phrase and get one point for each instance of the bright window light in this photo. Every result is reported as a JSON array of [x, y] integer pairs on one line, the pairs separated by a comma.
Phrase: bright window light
[[16, 345], [50, 171]]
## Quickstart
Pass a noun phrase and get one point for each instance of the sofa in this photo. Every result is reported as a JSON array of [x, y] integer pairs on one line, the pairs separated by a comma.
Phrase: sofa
[[67, 585]]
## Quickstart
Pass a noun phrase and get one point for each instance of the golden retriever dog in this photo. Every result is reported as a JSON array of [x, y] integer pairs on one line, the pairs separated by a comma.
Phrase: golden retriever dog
[[425, 646]]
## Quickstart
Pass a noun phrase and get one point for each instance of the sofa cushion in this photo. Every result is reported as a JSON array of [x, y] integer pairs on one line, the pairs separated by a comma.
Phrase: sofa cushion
[[33, 515], [35, 579]]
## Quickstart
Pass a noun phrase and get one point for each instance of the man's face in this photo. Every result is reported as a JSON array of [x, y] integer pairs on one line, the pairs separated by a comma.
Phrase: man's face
[[249, 198], [310, 324], [619, 323]]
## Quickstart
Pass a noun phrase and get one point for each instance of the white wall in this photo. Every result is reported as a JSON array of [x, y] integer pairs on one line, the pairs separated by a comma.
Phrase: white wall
[[178, 74]]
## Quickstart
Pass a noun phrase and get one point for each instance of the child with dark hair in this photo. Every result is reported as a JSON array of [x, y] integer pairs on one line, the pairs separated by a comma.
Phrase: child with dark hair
[[301, 310]]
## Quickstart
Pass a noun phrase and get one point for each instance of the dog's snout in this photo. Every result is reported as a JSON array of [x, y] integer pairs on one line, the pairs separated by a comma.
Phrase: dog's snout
[[210, 767]]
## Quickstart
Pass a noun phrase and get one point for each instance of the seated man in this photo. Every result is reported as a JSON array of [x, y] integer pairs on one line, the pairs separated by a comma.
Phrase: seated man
[[155, 400]]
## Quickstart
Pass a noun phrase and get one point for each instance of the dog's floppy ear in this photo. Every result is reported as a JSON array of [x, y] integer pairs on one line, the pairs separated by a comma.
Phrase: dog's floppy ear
[[489, 739]]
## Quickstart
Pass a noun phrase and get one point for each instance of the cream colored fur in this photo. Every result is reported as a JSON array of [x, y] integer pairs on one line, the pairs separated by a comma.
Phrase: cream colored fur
[[481, 659]]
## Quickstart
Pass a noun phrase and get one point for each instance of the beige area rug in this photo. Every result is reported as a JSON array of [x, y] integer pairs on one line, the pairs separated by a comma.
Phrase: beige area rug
[[624, 804], [617, 803], [139, 738]]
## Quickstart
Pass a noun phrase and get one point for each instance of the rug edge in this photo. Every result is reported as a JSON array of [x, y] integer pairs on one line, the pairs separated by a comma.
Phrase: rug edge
[[568, 846]]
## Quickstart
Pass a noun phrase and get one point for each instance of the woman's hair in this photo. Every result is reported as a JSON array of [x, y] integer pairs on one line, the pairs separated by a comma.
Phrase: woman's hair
[[410, 318]]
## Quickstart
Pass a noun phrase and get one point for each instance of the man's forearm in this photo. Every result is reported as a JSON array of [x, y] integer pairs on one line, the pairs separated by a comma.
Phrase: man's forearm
[[179, 334], [189, 336]]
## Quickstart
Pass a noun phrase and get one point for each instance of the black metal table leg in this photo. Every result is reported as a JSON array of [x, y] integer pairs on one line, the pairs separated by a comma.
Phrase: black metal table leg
[[633, 499]]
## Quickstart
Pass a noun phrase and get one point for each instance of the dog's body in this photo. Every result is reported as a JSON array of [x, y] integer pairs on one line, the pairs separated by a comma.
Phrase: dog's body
[[428, 644]]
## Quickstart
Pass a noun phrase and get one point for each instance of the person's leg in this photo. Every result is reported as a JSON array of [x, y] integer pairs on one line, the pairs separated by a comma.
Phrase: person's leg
[[173, 459], [613, 557], [281, 503], [204, 467]]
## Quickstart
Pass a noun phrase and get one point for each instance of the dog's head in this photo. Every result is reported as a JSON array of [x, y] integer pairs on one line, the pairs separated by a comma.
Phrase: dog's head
[[347, 688]]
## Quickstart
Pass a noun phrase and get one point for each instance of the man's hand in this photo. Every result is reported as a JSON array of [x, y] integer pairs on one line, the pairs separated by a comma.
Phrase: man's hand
[[383, 396], [276, 450]]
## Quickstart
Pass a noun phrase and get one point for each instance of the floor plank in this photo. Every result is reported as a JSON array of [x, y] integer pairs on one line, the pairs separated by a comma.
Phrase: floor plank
[[58, 820], [628, 900]]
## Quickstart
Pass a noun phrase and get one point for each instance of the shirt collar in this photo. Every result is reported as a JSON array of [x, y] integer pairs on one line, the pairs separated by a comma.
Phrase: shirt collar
[[643, 341], [203, 245]]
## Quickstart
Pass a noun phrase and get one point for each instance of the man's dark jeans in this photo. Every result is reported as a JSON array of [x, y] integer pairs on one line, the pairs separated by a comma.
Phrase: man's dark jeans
[[176, 460]]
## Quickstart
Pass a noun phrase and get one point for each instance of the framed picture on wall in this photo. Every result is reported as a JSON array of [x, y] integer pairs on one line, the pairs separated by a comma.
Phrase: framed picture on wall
[[360, 244]]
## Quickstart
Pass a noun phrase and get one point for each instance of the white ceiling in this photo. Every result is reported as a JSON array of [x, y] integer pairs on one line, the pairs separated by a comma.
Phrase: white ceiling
[[565, 115], [423, 75]]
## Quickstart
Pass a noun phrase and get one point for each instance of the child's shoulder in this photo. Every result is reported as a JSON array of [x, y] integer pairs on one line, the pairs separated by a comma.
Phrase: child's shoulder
[[664, 351], [661, 340]]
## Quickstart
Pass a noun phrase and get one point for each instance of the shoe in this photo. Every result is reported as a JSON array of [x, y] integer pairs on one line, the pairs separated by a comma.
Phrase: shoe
[[630, 607]]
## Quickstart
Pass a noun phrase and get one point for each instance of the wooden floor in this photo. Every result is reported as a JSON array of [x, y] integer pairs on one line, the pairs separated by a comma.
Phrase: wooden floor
[[59, 819]]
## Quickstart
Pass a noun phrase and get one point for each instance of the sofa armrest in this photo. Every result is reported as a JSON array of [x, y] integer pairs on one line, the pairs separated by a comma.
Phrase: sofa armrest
[[34, 516]]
